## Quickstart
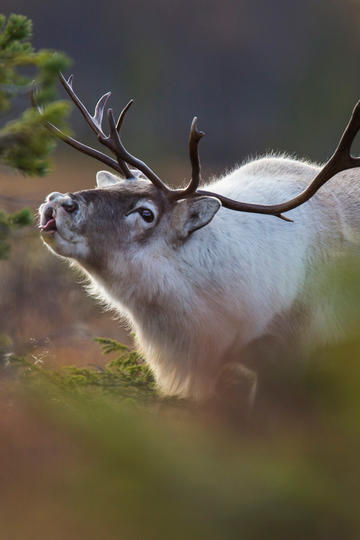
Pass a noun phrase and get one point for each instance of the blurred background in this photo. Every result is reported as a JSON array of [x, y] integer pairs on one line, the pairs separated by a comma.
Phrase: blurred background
[[261, 76]]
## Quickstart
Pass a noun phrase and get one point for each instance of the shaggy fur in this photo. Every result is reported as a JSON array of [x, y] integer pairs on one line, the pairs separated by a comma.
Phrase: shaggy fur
[[201, 282]]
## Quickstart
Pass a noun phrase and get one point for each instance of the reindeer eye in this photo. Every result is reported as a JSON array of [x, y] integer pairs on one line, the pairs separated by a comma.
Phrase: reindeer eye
[[146, 214]]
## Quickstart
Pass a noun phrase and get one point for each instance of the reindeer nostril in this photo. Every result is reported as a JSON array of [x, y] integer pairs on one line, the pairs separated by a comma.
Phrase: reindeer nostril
[[70, 206]]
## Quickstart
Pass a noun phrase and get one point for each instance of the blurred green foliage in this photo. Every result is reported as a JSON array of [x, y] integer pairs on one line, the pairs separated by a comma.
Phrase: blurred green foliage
[[159, 473], [127, 375], [25, 144], [147, 467]]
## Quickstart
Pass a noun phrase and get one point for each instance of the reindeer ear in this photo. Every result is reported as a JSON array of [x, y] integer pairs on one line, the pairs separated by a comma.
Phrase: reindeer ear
[[190, 215], [105, 179]]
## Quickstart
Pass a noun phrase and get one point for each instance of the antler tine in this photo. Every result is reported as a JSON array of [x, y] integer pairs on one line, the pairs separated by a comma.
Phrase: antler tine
[[347, 139], [195, 136], [95, 120], [67, 84], [116, 144], [122, 115], [99, 110]]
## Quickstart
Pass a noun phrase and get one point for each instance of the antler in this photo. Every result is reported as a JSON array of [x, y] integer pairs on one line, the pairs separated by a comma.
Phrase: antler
[[111, 141], [341, 160], [95, 122]]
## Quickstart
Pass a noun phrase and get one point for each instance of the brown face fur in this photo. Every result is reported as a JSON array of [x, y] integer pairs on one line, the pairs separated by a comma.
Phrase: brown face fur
[[119, 220], [104, 218]]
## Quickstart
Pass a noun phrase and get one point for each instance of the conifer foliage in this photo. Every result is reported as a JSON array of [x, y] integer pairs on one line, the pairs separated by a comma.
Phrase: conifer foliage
[[25, 144]]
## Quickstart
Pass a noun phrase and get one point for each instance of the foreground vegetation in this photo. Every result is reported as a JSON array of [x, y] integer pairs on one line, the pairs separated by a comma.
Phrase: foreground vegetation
[[100, 454], [127, 376], [95, 452]]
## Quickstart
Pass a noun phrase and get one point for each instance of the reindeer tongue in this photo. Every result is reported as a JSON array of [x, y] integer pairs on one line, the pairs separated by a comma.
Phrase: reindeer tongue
[[49, 226]]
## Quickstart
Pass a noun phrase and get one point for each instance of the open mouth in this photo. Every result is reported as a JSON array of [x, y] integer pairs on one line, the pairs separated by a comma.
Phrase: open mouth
[[48, 223], [49, 226]]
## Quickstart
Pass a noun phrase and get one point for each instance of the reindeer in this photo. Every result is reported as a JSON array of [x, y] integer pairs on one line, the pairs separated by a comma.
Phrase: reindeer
[[198, 274]]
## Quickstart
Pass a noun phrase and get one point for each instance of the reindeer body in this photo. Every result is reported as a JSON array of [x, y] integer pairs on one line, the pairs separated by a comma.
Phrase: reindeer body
[[196, 304], [201, 274]]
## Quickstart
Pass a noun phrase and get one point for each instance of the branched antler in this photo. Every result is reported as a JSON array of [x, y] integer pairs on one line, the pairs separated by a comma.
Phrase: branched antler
[[341, 159], [93, 121], [112, 141]]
